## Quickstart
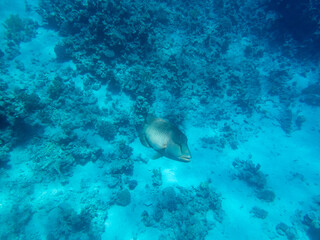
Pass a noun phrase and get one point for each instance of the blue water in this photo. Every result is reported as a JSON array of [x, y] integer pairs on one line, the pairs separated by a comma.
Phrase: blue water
[[240, 79]]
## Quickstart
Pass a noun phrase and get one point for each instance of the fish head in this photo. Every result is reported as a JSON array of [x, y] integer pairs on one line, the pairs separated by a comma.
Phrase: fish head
[[179, 152], [185, 153], [178, 147]]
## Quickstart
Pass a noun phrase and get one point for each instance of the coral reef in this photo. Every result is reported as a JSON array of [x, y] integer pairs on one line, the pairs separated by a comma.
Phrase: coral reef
[[107, 130], [311, 95], [156, 177], [123, 198], [71, 110], [266, 195], [18, 30], [259, 213], [111, 26], [213, 142], [132, 184], [64, 222], [316, 199], [181, 212], [227, 136], [20, 217], [296, 21], [122, 162], [284, 230], [250, 173], [50, 161], [312, 222]]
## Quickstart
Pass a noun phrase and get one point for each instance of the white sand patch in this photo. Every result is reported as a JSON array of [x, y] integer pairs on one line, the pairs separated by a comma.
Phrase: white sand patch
[[124, 223], [169, 176], [39, 52]]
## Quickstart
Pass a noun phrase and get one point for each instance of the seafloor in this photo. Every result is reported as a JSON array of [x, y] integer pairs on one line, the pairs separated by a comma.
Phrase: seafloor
[[240, 78]]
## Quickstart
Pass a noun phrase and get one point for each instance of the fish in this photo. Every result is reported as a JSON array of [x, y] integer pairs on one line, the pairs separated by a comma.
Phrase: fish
[[165, 138]]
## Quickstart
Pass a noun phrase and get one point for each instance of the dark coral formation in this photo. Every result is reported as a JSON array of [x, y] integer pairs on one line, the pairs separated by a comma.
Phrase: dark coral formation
[[100, 36], [311, 95], [183, 212], [64, 222], [311, 220], [266, 195], [123, 198], [156, 177], [227, 137], [117, 29], [259, 212], [18, 30], [121, 160], [107, 130], [20, 216], [250, 173], [18, 111], [296, 20], [278, 86], [284, 230], [103, 37]]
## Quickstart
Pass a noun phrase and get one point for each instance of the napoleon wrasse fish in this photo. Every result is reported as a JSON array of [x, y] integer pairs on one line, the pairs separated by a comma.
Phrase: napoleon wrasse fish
[[165, 138]]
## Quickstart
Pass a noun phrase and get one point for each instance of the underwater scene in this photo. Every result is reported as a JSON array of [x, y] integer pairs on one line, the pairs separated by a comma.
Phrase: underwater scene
[[159, 120]]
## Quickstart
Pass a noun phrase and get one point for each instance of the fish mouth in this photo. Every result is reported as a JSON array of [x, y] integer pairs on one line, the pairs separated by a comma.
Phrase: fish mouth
[[185, 158]]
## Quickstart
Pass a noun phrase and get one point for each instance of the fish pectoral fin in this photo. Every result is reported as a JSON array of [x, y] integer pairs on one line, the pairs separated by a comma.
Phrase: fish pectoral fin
[[156, 156]]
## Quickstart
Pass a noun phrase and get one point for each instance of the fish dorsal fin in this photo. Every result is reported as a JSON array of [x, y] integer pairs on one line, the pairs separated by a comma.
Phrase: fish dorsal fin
[[150, 118]]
